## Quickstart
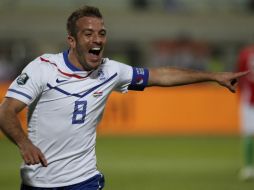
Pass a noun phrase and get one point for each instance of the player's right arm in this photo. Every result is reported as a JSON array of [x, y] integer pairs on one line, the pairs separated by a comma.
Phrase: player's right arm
[[11, 127]]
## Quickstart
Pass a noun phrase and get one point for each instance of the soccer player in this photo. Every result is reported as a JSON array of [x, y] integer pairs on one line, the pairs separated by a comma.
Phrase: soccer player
[[66, 95], [246, 85]]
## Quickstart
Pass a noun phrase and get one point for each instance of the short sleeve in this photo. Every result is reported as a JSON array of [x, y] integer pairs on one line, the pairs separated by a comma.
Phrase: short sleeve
[[29, 84]]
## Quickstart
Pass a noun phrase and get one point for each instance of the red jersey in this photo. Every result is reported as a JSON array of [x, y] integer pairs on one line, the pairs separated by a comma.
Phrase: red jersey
[[246, 83]]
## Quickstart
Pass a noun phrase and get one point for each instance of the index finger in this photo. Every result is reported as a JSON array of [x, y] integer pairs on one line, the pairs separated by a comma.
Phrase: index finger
[[240, 74], [43, 161]]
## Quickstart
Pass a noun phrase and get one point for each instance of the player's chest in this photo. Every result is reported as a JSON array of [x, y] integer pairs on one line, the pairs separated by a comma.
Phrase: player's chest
[[94, 86]]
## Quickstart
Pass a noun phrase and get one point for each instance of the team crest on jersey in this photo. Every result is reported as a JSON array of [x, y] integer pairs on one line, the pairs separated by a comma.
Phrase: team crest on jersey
[[101, 75], [22, 79]]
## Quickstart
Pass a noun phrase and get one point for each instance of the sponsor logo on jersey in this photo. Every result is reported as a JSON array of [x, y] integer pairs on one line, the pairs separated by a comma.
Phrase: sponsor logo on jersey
[[22, 79], [60, 81]]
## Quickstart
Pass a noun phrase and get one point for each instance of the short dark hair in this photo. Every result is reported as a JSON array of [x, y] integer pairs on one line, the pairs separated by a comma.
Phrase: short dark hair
[[85, 11]]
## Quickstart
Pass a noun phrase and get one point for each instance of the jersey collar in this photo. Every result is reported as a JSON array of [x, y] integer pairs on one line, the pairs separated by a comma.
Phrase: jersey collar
[[68, 63]]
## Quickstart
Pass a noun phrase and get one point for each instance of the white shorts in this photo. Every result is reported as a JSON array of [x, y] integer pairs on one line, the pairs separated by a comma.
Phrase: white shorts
[[247, 119]]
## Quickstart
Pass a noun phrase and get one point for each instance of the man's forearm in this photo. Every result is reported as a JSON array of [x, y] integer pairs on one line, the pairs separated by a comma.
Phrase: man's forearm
[[176, 77], [11, 127]]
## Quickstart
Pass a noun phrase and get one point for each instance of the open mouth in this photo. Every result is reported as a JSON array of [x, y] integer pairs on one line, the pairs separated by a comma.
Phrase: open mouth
[[95, 50]]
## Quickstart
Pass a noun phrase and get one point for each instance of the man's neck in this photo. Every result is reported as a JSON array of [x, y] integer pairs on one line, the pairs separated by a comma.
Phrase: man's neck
[[74, 61]]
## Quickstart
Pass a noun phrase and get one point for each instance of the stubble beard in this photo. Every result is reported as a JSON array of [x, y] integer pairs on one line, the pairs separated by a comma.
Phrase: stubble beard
[[81, 58]]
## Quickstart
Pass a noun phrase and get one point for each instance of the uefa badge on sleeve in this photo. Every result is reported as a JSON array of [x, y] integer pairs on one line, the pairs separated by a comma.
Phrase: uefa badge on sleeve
[[22, 79]]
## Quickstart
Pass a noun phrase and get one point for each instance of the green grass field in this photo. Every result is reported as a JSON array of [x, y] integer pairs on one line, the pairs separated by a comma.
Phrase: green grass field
[[153, 163]]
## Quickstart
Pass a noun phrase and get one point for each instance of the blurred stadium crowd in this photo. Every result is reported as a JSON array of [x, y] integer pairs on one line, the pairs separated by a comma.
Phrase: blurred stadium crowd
[[198, 34]]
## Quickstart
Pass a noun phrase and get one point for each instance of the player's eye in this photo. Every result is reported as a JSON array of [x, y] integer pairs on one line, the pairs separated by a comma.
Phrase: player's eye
[[103, 33], [88, 34]]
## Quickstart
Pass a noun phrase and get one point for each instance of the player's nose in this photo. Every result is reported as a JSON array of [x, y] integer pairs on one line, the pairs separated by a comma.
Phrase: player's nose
[[97, 39]]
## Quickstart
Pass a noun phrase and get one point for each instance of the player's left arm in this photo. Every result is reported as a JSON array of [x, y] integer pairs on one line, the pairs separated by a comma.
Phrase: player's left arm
[[175, 77]]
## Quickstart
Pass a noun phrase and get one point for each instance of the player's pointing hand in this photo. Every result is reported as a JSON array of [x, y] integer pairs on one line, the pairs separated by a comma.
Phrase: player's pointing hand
[[229, 80]]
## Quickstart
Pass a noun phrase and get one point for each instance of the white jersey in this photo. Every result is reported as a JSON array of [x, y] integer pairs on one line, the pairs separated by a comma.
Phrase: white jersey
[[65, 106]]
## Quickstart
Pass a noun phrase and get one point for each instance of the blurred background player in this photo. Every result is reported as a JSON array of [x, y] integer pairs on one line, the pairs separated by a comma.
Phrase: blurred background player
[[246, 85]]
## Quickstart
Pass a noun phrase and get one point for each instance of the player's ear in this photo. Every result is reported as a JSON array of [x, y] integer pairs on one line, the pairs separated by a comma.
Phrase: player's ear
[[71, 41]]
